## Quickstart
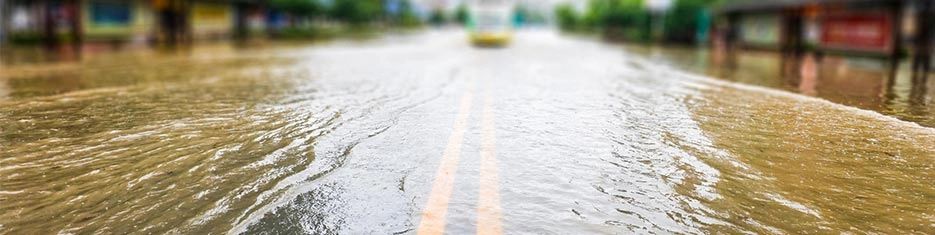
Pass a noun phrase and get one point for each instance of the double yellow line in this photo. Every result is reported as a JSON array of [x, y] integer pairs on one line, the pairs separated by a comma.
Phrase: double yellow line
[[488, 205]]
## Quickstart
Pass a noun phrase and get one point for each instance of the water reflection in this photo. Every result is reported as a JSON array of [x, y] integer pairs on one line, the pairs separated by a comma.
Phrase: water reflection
[[861, 82], [42, 75]]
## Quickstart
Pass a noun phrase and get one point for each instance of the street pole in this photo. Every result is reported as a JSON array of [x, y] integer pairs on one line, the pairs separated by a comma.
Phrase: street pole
[[922, 54], [896, 15], [3, 22]]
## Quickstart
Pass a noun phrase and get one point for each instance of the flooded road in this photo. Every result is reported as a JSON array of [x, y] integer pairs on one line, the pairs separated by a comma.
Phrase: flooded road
[[861, 82], [423, 133]]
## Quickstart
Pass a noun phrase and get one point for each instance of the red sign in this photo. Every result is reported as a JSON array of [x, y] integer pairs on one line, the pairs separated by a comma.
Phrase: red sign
[[857, 31]]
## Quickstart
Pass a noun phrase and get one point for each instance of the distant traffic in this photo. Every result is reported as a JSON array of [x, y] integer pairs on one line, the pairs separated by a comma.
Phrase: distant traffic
[[490, 25]]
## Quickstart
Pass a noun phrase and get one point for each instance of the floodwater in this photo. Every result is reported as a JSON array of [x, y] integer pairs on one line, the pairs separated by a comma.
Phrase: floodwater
[[865, 82], [552, 135]]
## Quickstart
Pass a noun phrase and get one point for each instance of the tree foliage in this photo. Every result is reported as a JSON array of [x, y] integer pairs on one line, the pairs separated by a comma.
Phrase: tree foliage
[[302, 8], [567, 17], [356, 12], [407, 16], [462, 14], [681, 22], [631, 20], [437, 17], [624, 18]]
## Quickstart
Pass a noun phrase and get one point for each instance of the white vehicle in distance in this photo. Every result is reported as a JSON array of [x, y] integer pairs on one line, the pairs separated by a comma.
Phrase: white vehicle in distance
[[490, 24]]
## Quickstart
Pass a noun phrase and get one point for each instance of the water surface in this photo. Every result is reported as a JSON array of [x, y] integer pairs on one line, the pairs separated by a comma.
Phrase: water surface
[[346, 137]]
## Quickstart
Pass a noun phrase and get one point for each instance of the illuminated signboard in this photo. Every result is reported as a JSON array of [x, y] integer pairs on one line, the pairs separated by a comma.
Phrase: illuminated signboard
[[857, 31]]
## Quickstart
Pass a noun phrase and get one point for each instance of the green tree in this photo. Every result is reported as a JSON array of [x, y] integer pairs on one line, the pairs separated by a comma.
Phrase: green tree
[[437, 17], [567, 17], [681, 23], [407, 16], [627, 19], [356, 12], [300, 8], [595, 13], [462, 14]]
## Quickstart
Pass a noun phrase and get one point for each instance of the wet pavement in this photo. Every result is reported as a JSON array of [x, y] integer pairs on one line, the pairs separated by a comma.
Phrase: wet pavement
[[863, 82], [424, 134]]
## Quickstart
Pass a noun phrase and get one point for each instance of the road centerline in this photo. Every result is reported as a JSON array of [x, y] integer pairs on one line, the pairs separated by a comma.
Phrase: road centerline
[[488, 204], [433, 215]]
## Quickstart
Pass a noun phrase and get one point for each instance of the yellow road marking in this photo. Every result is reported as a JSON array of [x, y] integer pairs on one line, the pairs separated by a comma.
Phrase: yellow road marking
[[488, 205], [433, 216]]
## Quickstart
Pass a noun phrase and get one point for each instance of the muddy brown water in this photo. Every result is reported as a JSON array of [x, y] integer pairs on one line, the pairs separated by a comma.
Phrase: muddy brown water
[[345, 138]]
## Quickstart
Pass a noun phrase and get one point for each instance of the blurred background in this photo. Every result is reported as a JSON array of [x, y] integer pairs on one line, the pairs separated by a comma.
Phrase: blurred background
[[873, 54], [332, 116]]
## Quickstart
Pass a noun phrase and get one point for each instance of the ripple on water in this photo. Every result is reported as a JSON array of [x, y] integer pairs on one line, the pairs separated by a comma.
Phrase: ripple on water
[[811, 165]]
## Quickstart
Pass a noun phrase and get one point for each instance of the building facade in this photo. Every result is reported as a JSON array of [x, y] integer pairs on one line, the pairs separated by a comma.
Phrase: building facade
[[127, 21]]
